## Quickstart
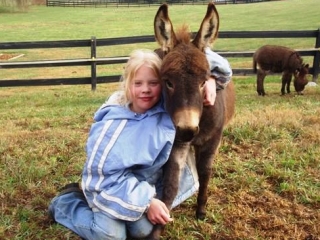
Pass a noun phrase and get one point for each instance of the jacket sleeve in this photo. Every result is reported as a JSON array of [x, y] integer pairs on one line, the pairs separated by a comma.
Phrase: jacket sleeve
[[219, 67], [125, 199]]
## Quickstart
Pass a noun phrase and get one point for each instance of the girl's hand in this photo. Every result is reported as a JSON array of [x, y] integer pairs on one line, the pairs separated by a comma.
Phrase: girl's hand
[[158, 213], [210, 92]]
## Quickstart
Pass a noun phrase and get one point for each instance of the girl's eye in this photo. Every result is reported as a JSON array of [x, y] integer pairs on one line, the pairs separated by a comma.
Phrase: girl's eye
[[203, 83], [154, 83], [137, 84]]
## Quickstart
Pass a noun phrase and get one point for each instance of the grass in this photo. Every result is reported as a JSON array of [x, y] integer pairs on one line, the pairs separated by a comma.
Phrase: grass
[[265, 183]]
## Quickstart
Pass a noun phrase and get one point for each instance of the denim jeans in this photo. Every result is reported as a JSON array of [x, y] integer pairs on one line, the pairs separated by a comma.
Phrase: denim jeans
[[72, 211]]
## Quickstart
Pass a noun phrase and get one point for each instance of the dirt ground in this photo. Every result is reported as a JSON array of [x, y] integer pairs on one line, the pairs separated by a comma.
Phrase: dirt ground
[[4, 57]]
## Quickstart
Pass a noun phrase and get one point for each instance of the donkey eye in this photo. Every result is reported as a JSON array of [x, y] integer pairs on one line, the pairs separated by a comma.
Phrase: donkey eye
[[169, 84]]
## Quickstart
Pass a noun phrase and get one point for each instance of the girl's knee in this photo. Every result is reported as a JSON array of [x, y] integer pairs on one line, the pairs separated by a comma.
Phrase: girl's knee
[[109, 233], [108, 228]]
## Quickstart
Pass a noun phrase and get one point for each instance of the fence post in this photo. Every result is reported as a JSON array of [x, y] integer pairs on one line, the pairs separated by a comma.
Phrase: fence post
[[316, 59], [93, 63]]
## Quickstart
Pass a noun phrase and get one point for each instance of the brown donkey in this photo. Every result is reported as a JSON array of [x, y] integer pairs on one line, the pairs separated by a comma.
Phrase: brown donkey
[[183, 74], [279, 59]]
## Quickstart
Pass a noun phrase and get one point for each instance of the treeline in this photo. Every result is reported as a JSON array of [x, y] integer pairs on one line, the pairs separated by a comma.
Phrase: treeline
[[18, 5], [101, 3]]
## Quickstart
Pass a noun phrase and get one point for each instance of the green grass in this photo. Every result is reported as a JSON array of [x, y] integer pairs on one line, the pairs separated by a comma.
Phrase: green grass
[[265, 183], [266, 175]]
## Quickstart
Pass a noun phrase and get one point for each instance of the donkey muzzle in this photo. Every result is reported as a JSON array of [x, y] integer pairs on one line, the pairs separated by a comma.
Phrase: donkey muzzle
[[187, 124], [186, 134]]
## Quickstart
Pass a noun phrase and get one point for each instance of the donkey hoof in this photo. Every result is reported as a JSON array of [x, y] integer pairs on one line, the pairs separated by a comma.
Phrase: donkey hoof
[[200, 215]]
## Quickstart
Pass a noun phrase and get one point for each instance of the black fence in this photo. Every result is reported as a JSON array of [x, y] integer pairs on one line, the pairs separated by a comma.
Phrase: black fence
[[133, 3], [93, 61]]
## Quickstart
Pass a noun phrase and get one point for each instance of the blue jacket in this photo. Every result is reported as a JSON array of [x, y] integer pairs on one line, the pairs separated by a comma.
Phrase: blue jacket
[[124, 154]]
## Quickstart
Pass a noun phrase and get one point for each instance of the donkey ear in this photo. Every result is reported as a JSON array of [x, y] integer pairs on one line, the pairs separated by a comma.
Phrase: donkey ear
[[208, 31], [163, 29]]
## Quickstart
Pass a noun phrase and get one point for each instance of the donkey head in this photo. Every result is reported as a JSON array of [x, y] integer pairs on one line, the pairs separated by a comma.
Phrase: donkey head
[[185, 69], [300, 78]]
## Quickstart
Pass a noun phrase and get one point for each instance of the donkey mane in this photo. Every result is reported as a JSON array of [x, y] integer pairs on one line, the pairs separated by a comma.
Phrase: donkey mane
[[183, 34]]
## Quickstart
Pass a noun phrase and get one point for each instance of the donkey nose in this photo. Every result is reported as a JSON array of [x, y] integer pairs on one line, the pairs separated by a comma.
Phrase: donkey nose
[[186, 134]]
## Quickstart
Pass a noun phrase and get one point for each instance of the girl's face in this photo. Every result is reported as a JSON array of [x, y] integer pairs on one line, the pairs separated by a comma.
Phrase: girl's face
[[145, 89]]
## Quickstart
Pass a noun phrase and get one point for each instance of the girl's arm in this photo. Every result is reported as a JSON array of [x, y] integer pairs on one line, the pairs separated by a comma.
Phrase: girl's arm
[[219, 67], [221, 74]]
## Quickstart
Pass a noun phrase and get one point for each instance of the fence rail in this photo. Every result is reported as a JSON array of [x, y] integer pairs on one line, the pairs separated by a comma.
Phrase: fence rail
[[93, 61]]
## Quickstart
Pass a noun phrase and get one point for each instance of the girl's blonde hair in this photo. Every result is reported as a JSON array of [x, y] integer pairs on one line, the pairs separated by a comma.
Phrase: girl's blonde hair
[[137, 59]]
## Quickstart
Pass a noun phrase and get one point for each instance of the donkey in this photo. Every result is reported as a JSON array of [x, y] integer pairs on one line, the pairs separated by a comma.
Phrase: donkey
[[183, 74], [279, 59]]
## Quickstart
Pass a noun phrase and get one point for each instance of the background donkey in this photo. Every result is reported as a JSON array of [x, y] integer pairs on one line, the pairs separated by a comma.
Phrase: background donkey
[[279, 59], [183, 74]]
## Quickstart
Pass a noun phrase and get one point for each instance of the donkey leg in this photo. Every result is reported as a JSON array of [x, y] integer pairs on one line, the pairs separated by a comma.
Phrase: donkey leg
[[283, 86], [172, 172], [171, 176], [286, 79], [170, 189], [204, 159], [260, 79]]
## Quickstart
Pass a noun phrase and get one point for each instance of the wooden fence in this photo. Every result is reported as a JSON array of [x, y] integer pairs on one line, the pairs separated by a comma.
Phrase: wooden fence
[[135, 3], [93, 61]]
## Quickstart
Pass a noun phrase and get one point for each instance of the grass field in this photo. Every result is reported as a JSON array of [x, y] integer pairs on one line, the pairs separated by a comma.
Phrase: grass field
[[266, 181]]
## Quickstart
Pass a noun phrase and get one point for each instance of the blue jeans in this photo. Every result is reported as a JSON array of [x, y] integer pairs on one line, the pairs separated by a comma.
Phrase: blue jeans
[[72, 211]]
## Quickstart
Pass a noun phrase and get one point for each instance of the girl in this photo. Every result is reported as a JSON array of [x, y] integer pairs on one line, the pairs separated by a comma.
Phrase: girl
[[126, 149]]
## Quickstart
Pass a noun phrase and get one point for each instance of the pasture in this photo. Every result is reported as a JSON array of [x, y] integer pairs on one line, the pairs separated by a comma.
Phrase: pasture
[[266, 178]]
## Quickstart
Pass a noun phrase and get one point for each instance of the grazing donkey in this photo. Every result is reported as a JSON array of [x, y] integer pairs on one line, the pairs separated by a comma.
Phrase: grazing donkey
[[183, 74], [278, 59]]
